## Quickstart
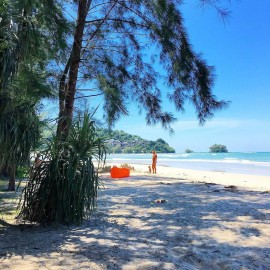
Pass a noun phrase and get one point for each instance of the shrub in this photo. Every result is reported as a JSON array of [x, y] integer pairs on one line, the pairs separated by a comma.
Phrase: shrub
[[22, 171], [64, 187], [127, 166], [105, 169]]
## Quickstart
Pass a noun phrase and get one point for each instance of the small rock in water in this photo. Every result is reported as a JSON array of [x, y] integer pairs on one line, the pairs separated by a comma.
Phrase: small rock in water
[[160, 201]]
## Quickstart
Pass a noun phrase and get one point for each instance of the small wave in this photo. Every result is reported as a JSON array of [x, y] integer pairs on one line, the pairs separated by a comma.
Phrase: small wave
[[184, 155], [173, 156], [123, 158], [132, 159], [168, 155], [228, 161]]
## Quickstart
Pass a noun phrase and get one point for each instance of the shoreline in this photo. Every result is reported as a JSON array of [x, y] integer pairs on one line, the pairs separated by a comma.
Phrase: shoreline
[[239, 163], [242, 181]]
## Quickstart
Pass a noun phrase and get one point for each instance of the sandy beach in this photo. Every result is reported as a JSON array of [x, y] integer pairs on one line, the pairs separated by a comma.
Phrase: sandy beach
[[243, 181], [176, 219]]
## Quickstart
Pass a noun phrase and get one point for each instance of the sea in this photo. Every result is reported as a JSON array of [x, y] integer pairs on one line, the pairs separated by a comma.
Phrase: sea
[[254, 163]]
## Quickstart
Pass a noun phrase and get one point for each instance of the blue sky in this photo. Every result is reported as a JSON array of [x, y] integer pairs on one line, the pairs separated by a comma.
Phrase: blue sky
[[240, 51]]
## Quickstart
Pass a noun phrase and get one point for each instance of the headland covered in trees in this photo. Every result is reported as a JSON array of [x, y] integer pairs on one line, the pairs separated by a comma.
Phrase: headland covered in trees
[[119, 142]]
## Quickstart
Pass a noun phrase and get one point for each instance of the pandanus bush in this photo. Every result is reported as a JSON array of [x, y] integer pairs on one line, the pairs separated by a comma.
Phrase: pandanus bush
[[63, 188]]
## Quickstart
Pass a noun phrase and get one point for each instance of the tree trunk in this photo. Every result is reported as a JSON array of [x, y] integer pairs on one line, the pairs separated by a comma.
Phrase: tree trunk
[[12, 175], [67, 90], [4, 171]]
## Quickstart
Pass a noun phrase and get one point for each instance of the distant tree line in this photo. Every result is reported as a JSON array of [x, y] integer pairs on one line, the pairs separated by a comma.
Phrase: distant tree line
[[119, 141]]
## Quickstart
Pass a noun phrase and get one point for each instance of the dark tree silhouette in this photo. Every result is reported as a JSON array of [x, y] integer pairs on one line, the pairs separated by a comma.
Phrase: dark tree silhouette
[[116, 47]]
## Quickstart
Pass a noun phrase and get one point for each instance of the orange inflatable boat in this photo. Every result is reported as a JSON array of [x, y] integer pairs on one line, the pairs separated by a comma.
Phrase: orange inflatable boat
[[119, 172]]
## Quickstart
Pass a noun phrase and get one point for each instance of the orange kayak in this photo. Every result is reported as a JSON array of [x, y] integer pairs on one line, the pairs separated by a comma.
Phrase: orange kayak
[[119, 172]]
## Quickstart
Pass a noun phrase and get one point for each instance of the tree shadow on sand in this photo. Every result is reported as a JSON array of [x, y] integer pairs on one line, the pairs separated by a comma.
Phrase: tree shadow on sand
[[195, 228]]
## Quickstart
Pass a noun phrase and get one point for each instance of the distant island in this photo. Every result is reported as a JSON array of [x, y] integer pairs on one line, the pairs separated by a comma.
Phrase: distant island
[[119, 141], [218, 148]]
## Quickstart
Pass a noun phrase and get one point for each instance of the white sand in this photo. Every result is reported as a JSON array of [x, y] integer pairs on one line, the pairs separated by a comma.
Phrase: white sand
[[200, 226], [243, 181]]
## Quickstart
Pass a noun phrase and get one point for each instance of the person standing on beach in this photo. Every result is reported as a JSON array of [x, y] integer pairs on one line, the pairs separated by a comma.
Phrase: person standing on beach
[[38, 161], [154, 162]]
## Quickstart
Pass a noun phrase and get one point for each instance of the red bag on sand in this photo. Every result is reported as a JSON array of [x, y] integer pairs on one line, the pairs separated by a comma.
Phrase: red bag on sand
[[119, 172]]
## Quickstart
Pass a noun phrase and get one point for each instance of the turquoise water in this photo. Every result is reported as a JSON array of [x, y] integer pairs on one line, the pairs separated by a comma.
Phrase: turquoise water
[[255, 163]]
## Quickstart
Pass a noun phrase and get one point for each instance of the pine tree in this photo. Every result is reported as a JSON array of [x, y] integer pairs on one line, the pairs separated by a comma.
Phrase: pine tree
[[26, 51], [115, 47]]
